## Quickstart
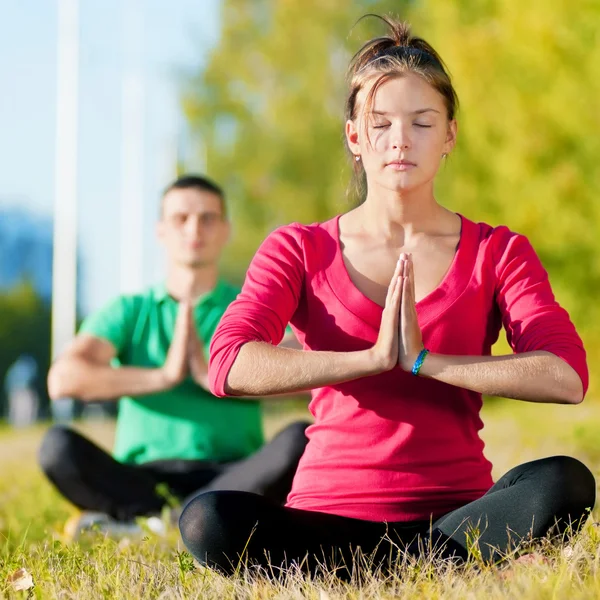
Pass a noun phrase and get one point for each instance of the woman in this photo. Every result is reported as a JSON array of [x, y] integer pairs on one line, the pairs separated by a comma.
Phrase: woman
[[397, 303]]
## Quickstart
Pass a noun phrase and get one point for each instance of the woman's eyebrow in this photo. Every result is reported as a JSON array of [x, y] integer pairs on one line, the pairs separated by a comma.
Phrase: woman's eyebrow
[[420, 111], [424, 110]]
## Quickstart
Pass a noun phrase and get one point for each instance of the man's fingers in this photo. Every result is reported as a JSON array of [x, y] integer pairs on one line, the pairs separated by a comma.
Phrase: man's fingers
[[184, 315]]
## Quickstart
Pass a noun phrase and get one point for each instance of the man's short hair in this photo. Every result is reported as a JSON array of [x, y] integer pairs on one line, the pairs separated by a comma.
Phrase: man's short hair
[[196, 182]]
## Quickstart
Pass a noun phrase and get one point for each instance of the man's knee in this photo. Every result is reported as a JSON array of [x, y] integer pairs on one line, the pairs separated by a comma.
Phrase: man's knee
[[292, 439], [57, 449]]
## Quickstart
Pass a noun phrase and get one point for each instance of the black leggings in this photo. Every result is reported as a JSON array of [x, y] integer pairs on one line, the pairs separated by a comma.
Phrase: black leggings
[[92, 479], [219, 528]]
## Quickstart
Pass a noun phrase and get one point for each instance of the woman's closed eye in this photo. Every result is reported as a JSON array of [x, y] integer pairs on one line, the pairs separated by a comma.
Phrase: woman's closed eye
[[424, 125]]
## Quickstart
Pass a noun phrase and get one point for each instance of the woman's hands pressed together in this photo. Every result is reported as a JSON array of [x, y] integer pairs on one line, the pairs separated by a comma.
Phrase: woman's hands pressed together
[[399, 341], [410, 339]]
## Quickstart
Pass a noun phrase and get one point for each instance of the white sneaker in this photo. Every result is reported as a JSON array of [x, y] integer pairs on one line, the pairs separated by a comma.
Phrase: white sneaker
[[96, 522]]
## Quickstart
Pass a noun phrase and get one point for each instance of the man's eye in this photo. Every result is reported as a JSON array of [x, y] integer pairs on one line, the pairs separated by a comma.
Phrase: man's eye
[[210, 219]]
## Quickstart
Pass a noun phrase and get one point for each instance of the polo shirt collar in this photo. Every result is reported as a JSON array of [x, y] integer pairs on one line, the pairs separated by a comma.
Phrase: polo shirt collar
[[161, 294]]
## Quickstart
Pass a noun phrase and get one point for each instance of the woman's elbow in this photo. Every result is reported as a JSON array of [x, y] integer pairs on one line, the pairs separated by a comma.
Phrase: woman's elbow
[[218, 387], [572, 390], [233, 386], [564, 382], [227, 380], [574, 394]]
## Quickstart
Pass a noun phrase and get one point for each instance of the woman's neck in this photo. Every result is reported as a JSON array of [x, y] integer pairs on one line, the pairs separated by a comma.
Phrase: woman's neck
[[396, 215]]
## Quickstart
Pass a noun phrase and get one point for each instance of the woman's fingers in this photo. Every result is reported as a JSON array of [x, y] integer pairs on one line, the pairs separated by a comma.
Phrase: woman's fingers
[[394, 294], [412, 280], [392, 285], [410, 342], [398, 296], [385, 350]]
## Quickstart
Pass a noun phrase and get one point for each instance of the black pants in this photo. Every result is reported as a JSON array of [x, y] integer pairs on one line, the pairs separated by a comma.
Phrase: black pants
[[220, 527], [93, 480]]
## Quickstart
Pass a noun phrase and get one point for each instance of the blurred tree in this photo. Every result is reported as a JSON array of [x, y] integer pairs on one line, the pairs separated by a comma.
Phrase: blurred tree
[[268, 111], [24, 329], [268, 114], [528, 78]]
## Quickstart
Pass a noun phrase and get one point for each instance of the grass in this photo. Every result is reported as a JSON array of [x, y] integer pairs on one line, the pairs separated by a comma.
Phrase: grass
[[32, 516]]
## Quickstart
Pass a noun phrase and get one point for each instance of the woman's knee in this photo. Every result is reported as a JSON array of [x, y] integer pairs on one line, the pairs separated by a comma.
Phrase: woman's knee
[[576, 480], [212, 525], [572, 485], [197, 517]]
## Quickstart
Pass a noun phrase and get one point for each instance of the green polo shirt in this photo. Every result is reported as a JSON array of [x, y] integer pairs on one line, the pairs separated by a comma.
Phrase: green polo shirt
[[185, 422]]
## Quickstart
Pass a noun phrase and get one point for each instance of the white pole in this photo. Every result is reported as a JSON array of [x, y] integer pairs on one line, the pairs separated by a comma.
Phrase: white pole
[[64, 265], [132, 224]]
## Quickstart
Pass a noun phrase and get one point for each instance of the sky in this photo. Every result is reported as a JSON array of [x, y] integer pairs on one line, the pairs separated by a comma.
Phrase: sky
[[175, 37]]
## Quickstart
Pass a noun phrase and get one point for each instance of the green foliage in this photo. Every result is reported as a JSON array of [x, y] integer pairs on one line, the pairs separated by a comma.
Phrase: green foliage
[[528, 77], [268, 112], [24, 328], [268, 115]]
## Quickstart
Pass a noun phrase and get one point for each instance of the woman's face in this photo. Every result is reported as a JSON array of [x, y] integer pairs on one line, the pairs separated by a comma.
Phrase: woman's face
[[402, 141]]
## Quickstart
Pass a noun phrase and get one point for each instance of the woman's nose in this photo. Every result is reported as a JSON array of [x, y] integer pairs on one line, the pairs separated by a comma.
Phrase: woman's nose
[[400, 137]]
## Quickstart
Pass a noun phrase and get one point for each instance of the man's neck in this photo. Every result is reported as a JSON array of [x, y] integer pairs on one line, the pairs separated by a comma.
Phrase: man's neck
[[191, 283]]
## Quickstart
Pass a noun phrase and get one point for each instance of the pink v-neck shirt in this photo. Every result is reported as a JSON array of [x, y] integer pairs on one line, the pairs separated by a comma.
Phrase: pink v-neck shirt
[[394, 447]]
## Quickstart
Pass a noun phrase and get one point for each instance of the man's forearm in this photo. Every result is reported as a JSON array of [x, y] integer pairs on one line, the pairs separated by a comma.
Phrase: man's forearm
[[84, 380], [531, 376]]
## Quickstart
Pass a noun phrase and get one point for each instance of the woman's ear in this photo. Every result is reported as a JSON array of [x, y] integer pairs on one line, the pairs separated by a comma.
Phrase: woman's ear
[[352, 137], [451, 134]]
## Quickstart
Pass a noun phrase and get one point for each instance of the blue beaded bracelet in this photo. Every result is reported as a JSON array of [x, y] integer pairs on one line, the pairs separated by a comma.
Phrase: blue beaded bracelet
[[419, 362]]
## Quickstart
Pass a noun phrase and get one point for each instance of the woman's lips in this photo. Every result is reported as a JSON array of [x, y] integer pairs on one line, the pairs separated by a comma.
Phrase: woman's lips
[[401, 165]]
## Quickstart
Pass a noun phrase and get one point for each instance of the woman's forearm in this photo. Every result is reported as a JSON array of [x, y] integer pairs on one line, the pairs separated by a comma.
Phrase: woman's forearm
[[263, 369], [532, 376]]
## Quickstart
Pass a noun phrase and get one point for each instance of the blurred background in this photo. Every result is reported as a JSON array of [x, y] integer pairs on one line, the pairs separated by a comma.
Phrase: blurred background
[[102, 103]]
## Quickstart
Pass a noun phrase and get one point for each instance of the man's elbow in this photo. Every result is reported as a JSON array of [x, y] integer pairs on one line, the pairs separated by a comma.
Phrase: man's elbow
[[63, 383], [58, 383]]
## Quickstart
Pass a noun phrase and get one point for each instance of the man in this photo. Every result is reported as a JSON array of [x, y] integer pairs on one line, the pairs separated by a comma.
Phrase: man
[[173, 437]]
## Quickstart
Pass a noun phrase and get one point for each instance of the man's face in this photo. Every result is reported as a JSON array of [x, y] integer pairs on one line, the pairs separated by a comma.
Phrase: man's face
[[193, 228]]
